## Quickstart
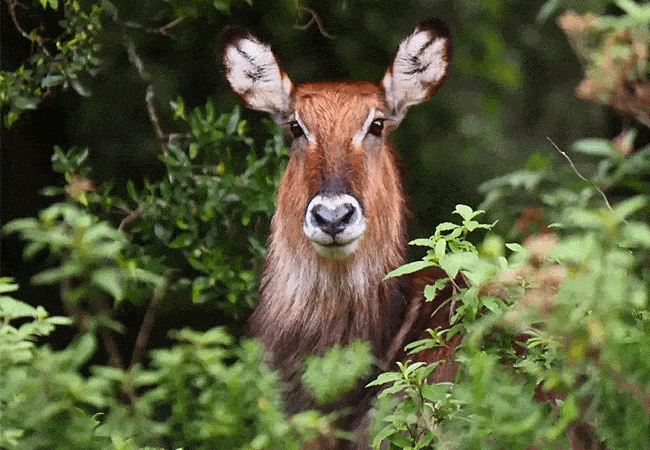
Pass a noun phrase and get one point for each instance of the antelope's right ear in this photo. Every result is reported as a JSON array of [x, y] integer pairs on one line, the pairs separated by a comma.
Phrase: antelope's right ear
[[254, 73], [419, 68]]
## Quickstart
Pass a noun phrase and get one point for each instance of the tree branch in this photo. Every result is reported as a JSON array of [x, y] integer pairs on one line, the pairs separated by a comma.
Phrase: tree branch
[[633, 389], [164, 30], [602, 194], [12, 4], [137, 62], [133, 215], [142, 340], [314, 19]]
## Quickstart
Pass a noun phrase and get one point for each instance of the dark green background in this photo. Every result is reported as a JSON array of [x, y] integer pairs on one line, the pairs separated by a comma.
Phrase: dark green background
[[511, 86]]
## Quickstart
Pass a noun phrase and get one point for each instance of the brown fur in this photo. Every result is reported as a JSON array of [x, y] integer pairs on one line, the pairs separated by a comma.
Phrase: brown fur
[[309, 302]]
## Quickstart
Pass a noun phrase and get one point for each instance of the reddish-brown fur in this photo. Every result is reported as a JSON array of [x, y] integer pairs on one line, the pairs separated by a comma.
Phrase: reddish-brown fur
[[346, 300], [310, 302], [350, 299]]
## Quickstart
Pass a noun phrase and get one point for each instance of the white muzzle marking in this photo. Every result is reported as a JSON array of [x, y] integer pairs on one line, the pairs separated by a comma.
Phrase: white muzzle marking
[[334, 224]]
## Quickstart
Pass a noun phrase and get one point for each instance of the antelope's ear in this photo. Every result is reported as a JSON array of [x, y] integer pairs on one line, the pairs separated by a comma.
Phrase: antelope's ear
[[419, 68], [254, 73]]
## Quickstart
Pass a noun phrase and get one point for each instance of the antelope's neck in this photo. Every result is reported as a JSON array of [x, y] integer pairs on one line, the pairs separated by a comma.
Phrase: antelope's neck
[[309, 303]]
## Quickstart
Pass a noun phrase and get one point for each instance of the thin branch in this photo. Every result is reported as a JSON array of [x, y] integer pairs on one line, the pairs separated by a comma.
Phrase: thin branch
[[164, 30], [633, 389], [113, 351], [602, 194], [142, 340], [114, 356], [135, 58], [314, 19], [451, 301], [133, 215], [12, 4], [153, 117], [137, 62]]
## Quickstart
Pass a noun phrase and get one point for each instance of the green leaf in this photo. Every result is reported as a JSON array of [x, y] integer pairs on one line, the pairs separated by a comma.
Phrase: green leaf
[[178, 107], [111, 280], [80, 89], [464, 211], [182, 240], [60, 320], [193, 150], [233, 120], [408, 268], [382, 435], [628, 207], [431, 290], [471, 225], [635, 234], [595, 147], [386, 377], [446, 226], [436, 392], [400, 440], [6, 285], [14, 309], [52, 80], [548, 9], [439, 248], [423, 242], [514, 247], [338, 371], [452, 263]]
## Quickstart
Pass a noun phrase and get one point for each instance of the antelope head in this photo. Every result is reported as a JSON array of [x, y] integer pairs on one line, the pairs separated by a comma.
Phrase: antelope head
[[341, 195]]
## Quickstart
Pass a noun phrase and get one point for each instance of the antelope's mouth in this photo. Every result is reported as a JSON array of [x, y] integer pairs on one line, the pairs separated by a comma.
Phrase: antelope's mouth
[[334, 225], [336, 250]]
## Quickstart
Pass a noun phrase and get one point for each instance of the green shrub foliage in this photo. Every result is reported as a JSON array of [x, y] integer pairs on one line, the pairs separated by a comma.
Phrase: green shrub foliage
[[553, 314]]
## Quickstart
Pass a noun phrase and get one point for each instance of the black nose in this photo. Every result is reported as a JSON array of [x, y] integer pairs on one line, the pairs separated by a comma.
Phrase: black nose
[[333, 220]]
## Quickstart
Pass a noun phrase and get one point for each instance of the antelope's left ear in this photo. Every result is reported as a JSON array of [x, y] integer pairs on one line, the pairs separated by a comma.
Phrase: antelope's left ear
[[255, 74], [419, 68]]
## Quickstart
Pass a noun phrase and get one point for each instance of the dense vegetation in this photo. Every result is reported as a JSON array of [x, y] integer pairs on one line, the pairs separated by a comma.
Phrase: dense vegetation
[[555, 322]]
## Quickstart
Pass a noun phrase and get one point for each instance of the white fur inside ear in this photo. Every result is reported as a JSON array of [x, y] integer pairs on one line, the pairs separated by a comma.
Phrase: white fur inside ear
[[420, 65], [253, 72]]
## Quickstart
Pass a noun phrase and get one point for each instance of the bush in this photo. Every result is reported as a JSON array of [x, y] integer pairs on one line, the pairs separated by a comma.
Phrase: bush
[[556, 342]]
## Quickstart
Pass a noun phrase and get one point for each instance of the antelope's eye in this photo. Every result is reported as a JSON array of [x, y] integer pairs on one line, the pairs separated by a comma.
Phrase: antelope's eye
[[296, 130], [376, 127]]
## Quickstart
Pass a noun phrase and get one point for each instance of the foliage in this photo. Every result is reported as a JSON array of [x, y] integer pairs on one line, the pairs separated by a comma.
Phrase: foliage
[[338, 371], [48, 402], [555, 328], [183, 226], [66, 63], [565, 317]]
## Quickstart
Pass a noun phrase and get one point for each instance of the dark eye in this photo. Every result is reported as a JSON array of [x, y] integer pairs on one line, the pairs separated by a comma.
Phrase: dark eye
[[296, 130], [376, 127]]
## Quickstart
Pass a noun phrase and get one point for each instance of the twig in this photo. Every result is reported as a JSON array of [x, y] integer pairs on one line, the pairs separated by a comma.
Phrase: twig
[[133, 215], [12, 4], [135, 59], [137, 62], [165, 28], [450, 300], [314, 18], [109, 343], [634, 389], [142, 340], [114, 356], [153, 117], [580, 175]]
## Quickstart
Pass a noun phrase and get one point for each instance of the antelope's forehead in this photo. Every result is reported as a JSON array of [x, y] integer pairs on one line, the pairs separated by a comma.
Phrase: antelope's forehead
[[344, 105]]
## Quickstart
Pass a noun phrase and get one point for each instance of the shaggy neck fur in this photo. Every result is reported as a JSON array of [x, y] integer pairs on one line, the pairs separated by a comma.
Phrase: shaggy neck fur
[[309, 303]]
